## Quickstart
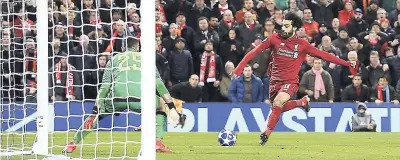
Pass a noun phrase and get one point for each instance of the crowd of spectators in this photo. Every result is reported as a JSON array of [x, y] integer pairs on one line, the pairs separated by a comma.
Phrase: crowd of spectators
[[199, 42]]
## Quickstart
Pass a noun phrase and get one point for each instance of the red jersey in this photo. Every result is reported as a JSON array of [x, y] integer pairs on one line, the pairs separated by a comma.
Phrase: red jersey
[[287, 57]]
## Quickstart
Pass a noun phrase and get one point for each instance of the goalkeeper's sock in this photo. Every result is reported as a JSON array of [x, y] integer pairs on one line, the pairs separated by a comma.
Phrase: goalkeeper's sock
[[160, 125], [273, 119], [88, 125]]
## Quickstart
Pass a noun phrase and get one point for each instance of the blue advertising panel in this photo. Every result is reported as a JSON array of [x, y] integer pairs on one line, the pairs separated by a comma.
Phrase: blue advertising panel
[[212, 117]]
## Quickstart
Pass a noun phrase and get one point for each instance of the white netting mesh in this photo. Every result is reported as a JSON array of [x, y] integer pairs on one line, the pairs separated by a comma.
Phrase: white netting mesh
[[83, 36]]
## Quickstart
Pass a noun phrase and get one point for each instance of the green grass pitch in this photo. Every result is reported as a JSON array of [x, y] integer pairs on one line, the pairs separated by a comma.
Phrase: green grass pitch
[[204, 146]]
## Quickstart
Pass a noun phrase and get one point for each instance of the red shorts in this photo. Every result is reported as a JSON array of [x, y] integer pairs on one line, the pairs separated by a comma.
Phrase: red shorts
[[275, 88]]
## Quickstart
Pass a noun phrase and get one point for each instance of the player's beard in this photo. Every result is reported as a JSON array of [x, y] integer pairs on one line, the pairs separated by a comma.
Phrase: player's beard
[[286, 35]]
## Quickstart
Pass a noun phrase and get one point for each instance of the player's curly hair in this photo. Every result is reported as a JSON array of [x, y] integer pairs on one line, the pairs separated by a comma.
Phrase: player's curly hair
[[297, 22]]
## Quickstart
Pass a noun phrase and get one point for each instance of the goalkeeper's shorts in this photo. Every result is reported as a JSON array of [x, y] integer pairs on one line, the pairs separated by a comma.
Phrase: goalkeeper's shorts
[[122, 104]]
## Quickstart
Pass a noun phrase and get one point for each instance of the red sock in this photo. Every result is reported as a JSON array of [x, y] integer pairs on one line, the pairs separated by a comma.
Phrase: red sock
[[273, 119], [292, 104]]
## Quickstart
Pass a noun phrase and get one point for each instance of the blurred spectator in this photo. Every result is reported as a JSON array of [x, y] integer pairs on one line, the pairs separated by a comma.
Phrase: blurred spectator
[[317, 83], [393, 62], [248, 7], [394, 13], [169, 42], [371, 12], [353, 45], [327, 46], [356, 92], [269, 28], [60, 33], [278, 18], [383, 92], [282, 4], [83, 57], [388, 5], [357, 24], [105, 10], [187, 91], [220, 7], [294, 7], [375, 69], [94, 78], [99, 40], [134, 25], [231, 48], [30, 60], [177, 7], [362, 121], [64, 82], [185, 31], [31, 96], [202, 36], [249, 29], [211, 71], [226, 81], [311, 26], [117, 44], [74, 29], [324, 11], [162, 66], [335, 72], [180, 62], [335, 25], [384, 23], [260, 63], [226, 24], [348, 73], [323, 31], [347, 13], [247, 88], [213, 26], [307, 65], [54, 51], [198, 10], [11, 70], [342, 40]]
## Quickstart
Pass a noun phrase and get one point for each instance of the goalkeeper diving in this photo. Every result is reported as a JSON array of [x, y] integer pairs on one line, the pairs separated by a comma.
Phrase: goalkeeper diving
[[121, 90]]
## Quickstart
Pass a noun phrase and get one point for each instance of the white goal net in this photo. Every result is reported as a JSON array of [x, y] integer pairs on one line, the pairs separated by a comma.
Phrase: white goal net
[[46, 97]]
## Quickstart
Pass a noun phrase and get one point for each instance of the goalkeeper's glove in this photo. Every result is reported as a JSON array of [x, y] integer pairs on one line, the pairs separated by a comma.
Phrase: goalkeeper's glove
[[173, 117]]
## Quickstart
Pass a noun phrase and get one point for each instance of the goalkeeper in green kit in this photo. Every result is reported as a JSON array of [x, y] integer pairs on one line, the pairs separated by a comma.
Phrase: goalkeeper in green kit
[[121, 90]]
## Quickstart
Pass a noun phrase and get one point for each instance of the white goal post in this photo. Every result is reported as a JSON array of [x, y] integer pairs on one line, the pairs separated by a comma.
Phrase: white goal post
[[42, 145]]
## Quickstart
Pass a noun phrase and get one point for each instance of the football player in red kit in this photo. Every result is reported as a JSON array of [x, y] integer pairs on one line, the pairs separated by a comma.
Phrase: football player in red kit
[[289, 52]]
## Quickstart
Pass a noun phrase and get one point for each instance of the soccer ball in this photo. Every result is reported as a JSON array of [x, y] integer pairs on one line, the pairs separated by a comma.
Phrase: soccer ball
[[227, 137]]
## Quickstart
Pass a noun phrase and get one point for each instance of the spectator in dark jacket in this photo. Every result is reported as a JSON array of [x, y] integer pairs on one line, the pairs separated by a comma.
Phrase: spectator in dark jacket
[[393, 62], [180, 62], [176, 7], [163, 67], [64, 82], [249, 29], [348, 74], [185, 31], [83, 57], [317, 83], [357, 24], [202, 36], [226, 24], [220, 7], [94, 78], [383, 92], [226, 81], [260, 63], [375, 69], [335, 72], [169, 42], [371, 12], [210, 73], [356, 92], [323, 11], [198, 10], [247, 88], [231, 48], [342, 40], [394, 13], [362, 121], [187, 91]]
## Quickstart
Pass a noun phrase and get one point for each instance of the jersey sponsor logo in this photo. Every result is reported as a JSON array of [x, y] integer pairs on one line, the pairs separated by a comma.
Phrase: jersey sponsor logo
[[289, 53]]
